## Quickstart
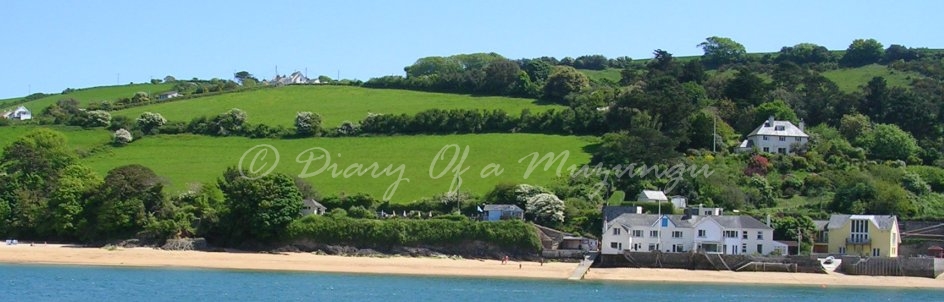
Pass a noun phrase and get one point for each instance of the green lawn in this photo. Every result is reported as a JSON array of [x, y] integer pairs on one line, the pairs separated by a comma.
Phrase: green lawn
[[609, 74], [850, 79], [98, 94], [3, 102], [77, 138], [336, 104]]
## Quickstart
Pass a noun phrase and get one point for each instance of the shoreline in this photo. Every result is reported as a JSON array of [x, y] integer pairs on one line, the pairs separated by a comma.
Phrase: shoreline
[[67, 255]]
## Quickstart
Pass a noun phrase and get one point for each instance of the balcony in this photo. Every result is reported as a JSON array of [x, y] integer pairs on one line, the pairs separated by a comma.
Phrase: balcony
[[858, 241]]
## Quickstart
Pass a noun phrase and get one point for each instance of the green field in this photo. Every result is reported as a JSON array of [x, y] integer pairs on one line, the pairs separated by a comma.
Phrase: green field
[[336, 104], [189, 159], [609, 74], [850, 79], [98, 94]]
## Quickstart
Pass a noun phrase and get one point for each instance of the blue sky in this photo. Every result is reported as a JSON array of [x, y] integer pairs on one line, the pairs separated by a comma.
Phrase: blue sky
[[52, 45]]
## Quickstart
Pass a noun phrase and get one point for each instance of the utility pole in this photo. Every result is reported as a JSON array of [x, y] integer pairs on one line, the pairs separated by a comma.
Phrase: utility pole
[[714, 134], [799, 240]]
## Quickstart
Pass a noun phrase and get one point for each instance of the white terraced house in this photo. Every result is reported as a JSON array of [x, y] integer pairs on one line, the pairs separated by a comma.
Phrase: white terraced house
[[625, 230]]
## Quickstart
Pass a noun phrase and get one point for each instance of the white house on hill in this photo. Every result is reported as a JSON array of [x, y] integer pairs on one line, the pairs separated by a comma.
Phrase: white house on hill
[[775, 137], [20, 113]]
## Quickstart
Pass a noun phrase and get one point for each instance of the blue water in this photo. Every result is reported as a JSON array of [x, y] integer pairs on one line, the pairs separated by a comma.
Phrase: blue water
[[71, 283]]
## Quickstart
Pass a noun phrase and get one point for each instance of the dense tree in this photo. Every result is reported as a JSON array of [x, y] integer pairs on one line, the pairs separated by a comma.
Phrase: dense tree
[[150, 122], [69, 200], [593, 62], [122, 204], [854, 126], [501, 77], [433, 66], [260, 207], [538, 70], [721, 50], [746, 88], [546, 208], [804, 53], [563, 81], [777, 109], [897, 52], [889, 142], [307, 123], [862, 52], [230, 122]]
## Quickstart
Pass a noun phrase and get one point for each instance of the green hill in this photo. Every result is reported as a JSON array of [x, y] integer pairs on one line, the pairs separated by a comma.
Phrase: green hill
[[189, 159], [336, 104], [98, 94], [850, 79]]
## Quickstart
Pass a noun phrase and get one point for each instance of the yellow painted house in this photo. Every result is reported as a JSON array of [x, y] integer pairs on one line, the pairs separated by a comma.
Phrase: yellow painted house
[[863, 235]]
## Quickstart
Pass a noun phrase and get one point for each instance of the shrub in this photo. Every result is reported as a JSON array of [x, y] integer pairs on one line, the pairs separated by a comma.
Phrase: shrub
[[122, 137]]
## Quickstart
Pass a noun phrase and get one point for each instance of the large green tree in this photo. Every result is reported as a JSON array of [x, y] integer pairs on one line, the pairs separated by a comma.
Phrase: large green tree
[[123, 203], [259, 207], [563, 81], [721, 50], [863, 52]]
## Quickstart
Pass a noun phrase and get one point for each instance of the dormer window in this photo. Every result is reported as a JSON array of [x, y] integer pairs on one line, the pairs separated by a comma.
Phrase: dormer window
[[779, 128]]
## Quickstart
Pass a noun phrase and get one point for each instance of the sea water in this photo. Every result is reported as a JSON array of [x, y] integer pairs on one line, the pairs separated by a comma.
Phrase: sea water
[[78, 283]]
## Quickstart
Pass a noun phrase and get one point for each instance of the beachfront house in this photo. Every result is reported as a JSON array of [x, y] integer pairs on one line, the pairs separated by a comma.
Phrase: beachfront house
[[734, 235], [496, 212], [775, 136], [863, 235], [312, 207]]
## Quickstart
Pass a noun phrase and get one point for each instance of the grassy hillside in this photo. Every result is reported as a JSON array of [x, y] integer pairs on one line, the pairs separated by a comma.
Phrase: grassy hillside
[[3, 102], [98, 94], [186, 159], [609, 74], [336, 104], [850, 79]]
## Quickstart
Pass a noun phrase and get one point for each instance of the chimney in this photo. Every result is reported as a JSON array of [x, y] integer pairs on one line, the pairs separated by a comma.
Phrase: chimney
[[770, 121], [802, 125]]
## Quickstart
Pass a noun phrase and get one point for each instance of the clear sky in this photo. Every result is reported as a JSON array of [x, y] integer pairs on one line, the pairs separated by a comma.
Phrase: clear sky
[[48, 46]]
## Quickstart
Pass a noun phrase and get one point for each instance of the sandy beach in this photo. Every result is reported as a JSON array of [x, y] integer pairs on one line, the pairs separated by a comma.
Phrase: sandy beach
[[149, 257], [769, 278]]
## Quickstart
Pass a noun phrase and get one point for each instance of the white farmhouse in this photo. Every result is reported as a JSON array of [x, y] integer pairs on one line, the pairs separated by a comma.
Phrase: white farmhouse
[[775, 137], [20, 113]]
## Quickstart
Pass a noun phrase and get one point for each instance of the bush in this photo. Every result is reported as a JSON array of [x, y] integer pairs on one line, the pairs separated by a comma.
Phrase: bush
[[510, 234], [122, 137]]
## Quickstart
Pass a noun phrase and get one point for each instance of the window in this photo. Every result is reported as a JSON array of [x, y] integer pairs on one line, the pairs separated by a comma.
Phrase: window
[[894, 239], [616, 231], [876, 252], [730, 234], [842, 250], [894, 252], [653, 247], [614, 245], [678, 248], [766, 149], [744, 235], [765, 137], [782, 150], [760, 248], [760, 235], [798, 139], [701, 233], [677, 234], [707, 213], [779, 128], [653, 234], [637, 233], [743, 248], [860, 231], [637, 246], [783, 138]]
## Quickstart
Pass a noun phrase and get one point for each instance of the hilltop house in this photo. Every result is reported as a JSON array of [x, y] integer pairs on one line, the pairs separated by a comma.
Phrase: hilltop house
[[20, 113], [295, 78], [312, 207], [863, 235], [168, 95], [630, 231], [496, 212], [678, 202], [775, 136]]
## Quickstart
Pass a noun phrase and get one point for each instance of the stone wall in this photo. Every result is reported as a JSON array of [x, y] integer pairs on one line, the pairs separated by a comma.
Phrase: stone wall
[[701, 261], [900, 266]]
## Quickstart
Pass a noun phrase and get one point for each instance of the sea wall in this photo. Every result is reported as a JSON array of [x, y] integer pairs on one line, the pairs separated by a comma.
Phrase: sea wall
[[885, 266], [702, 261]]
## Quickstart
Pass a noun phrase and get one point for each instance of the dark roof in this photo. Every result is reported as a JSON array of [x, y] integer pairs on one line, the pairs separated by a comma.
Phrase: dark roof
[[611, 212], [883, 222], [648, 220], [740, 222], [502, 207], [821, 224]]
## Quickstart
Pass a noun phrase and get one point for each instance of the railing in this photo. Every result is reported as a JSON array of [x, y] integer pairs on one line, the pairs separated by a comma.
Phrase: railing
[[852, 240]]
